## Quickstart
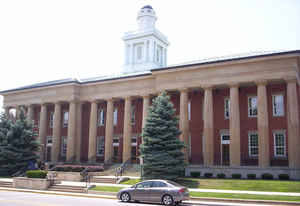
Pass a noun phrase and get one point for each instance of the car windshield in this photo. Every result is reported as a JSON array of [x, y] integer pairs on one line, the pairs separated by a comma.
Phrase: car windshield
[[174, 183]]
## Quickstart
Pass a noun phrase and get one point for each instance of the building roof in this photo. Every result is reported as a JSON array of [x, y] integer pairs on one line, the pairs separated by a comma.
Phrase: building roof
[[213, 60]]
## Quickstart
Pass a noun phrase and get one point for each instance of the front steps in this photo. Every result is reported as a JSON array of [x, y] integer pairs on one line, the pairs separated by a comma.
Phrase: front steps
[[67, 188], [6, 184]]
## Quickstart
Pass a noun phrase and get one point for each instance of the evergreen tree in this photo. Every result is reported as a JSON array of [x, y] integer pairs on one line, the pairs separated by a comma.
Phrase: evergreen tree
[[18, 145], [161, 149]]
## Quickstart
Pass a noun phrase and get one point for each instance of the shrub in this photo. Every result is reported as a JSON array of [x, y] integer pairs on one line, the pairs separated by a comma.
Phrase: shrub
[[208, 175], [236, 176], [77, 169], [251, 176], [195, 174], [36, 174], [221, 176], [283, 177], [267, 176]]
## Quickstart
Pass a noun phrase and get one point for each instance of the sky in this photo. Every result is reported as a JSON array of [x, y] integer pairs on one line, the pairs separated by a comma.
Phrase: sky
[[43, 40]]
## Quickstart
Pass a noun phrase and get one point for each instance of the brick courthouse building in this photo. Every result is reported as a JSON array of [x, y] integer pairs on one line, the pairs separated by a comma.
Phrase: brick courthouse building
[[237, 114]]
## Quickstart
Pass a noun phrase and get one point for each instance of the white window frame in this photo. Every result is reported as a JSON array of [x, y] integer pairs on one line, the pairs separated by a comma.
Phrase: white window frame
[[101, 117], [49, 140], [134, 143], [282, 132], [139, 53], [65, 118], [51, 120], [273, 105], [189, 110], [226, 99], [116, 144], [249, 143], [64, 142], [97, 146], [115, 116], [250, 109]]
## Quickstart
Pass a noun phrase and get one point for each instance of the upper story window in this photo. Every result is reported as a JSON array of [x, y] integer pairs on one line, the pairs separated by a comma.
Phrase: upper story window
[[253, 144], [189, 110], [252, 106], [278, 105], [226, 108], [115, 116], [133, 113], [51, 120], [279, 144], [49, 140], [65, 119], [101, 117]]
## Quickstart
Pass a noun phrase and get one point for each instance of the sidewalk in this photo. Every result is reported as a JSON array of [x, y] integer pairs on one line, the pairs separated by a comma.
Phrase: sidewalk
[[69, 183]]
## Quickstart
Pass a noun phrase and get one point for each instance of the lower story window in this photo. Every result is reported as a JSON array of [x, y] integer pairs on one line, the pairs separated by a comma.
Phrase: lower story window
[[63, 146], [279, 144], [253, 144], [100, 146]]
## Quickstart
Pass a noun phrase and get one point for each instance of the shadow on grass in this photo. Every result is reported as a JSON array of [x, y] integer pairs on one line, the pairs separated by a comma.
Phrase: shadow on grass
[[188, 183]]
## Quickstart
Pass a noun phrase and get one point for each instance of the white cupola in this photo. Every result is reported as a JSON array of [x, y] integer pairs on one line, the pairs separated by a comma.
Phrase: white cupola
[[145, 48]]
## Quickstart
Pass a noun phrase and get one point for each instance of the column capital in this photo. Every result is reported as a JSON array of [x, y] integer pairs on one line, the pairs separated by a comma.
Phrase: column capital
[[127, 97], [109, 99], [261, 82], [145, 96], [207, 86], [234, 84], [184, 89], [74, 101], [290, 79], [94, 101]]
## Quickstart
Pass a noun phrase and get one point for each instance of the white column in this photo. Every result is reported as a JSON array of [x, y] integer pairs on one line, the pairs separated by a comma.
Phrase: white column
[[109, 131], [78, 131], [56, 133], [127, 130], [93, 132], [43, 130], [71, 132]]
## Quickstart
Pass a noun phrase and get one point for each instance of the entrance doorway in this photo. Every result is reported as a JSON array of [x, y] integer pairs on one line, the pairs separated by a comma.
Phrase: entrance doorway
[[225, 149]]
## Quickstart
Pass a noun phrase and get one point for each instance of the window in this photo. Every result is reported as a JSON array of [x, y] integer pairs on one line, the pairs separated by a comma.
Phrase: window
[[253, 144], [159, 184], [144, 185], [49, 140], [66, 119], [116, 142], [115, 116], [51, 120], [100, 146], [189, 110], [100, 117], [133, 114], [278, 105], [63, 146], [279, 144], [252, 106], [134, 141], [226, 108]]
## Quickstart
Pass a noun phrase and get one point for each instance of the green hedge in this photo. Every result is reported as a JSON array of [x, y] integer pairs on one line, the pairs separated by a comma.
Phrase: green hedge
[[221, 176], [195, 174], [208, 175], [36, 174], [283, 177], [267, 176], [236, 176], [251, 176]]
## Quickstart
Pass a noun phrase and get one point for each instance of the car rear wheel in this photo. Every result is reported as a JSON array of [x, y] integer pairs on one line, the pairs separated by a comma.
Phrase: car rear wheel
[[125, 197], [167, 200]]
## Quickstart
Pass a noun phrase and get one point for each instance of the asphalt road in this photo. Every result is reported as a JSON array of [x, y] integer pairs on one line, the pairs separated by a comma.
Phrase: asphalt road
[[32, 199]]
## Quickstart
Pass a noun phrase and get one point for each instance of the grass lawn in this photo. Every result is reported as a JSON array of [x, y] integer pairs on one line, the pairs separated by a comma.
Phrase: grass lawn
[[233, 184], [107, 188], [215, 195], [249, 185], [244, 196]]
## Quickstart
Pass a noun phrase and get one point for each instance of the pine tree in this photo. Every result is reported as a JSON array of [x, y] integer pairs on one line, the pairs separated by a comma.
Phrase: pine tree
[[18, 145], [161, 149]]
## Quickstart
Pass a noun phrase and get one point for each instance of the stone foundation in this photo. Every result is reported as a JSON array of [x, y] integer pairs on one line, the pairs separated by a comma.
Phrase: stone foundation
[[67, 176], [31, 183], [243, 170]]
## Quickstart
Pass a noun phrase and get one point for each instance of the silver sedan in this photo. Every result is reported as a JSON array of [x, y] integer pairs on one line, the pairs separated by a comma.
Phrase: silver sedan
[[160, 191]]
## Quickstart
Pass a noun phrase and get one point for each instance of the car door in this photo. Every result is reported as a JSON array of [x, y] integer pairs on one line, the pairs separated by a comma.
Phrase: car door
[[141, 191], [158, 189]]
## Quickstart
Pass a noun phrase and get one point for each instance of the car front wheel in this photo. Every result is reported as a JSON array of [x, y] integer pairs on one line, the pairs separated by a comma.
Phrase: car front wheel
[[125, 197], [167, 200]]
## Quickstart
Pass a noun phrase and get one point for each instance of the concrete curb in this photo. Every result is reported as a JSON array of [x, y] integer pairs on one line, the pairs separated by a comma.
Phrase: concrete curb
[[111, 195]]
